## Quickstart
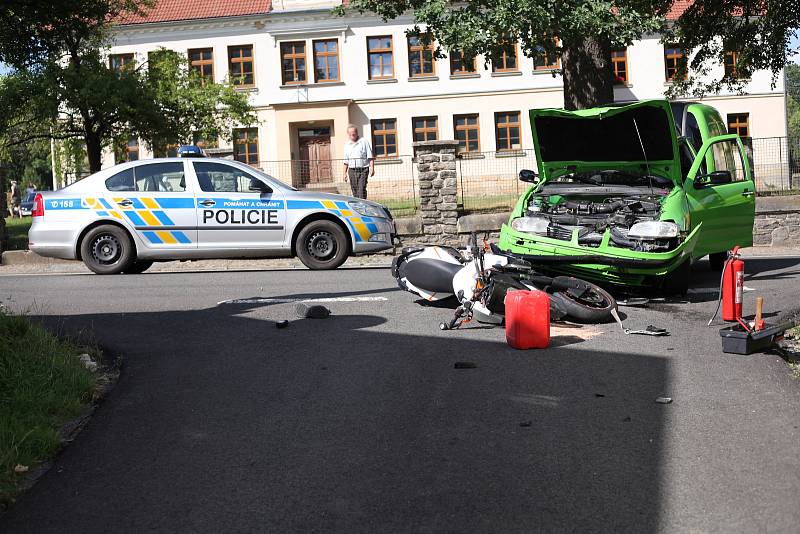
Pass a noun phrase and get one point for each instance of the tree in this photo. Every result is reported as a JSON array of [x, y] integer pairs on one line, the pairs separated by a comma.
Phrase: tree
[[582, 33], [62, 86], [793, 102]]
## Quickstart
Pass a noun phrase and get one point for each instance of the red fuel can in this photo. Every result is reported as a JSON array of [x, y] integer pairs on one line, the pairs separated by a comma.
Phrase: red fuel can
[[527, 319]]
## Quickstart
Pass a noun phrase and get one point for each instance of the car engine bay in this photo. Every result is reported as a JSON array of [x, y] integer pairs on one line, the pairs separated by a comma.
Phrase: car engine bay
[[630, 214]]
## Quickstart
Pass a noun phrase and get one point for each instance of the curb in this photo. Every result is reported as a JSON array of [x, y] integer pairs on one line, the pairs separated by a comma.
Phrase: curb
[[26, 257]]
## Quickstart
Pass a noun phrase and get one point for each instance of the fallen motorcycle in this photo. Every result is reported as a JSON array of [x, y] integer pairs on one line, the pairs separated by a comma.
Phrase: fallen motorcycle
[[481, 279]]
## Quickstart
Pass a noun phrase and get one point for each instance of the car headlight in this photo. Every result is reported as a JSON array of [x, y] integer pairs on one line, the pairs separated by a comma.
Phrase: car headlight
[[533, 225], [368, 210], [653, 230]]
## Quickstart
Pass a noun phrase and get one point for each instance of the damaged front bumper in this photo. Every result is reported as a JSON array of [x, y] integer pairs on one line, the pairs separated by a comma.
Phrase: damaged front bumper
[[604, 263]]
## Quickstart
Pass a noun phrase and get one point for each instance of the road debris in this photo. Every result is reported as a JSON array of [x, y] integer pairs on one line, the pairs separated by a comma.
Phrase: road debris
[[464, 365], [87, 362], [664, 400], [525, 423], [314, 311], [281, 324], [649, 331]]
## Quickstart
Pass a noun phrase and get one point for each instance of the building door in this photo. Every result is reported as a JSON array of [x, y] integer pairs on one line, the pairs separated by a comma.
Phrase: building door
[[315, 155]]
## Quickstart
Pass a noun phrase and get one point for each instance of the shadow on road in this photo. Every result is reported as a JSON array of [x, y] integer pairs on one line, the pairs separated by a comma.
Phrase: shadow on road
[[221, 421]]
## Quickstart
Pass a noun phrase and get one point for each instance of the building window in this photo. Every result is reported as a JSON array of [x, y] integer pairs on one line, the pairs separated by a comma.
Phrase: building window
[[200, 141], [420, 58], [674, 60], [384, 137], [379, 50], [293, 62], [201, 61], [240, 65], [619, 66], [425, 128], [245, 145], [739, 123], [461, 64], [506, 127], [505, 57], [542, 61], [731, 61], [326, 60], [120, 61], [132, 149], [468, 133]]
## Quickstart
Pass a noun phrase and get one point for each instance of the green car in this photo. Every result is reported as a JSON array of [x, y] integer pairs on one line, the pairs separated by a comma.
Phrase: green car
[[631, 194]]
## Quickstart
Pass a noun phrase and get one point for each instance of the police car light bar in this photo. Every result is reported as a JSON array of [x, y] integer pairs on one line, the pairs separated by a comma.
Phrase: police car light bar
[[190, 151]]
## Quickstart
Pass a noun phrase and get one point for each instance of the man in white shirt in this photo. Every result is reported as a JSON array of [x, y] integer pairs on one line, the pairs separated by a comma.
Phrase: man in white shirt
[[358, 162]]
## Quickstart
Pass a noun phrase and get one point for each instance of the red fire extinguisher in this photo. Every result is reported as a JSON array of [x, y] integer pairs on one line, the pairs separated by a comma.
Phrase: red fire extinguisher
[[732, 286]]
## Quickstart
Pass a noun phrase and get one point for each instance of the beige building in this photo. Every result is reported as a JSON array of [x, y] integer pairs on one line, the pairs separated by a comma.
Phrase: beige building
[[309, 74]]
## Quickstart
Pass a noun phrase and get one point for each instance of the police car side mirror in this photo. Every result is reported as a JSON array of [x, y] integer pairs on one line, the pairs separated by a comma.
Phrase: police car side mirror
[[259, 186]]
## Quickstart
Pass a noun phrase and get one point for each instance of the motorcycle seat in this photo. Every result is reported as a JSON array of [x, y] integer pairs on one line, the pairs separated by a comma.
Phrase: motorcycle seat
[[431, 274]]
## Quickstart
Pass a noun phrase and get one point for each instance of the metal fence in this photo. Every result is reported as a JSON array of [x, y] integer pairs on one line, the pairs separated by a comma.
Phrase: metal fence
[[394, 184], [776, 163], [489, 181]]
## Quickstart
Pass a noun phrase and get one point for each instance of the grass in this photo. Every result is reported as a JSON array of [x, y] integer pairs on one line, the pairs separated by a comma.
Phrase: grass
[[43, 384], [18, 233], [793, 363]]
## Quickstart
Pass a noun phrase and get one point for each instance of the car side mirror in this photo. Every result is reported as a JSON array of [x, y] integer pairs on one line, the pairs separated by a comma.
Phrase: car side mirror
[[713, 178], [527, 175], [258, 185]]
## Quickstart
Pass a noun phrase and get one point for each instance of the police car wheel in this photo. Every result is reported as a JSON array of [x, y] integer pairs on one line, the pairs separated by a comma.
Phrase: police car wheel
[[322, 245], [107, 249]]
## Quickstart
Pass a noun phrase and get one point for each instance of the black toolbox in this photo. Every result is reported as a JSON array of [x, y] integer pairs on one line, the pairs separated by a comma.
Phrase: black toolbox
[[737, 340]]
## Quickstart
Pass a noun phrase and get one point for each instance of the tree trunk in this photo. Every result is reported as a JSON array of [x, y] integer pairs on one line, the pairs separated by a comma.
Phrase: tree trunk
[[588, 80], [94, 150]]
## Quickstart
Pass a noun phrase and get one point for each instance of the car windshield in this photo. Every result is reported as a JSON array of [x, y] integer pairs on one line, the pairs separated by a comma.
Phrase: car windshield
[[29, 197], [614, 177]]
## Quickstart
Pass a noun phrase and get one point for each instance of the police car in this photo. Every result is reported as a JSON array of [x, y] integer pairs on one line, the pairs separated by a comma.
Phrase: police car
[[122, 219]]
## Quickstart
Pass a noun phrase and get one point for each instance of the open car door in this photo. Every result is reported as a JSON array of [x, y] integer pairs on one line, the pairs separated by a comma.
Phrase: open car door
[[721, 195]]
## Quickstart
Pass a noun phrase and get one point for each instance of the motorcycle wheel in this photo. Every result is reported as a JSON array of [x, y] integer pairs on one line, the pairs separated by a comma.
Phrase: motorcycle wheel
[[594, 305]]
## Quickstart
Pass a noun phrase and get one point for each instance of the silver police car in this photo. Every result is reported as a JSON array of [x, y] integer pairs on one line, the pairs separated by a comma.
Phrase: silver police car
[[122, 219]]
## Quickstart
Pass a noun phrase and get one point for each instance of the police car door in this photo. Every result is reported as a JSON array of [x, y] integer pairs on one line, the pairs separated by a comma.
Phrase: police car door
[[235, 209], [157, 201]]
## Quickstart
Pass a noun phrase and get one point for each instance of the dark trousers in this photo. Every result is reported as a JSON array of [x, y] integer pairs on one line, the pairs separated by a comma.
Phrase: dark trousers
[[358, 181]]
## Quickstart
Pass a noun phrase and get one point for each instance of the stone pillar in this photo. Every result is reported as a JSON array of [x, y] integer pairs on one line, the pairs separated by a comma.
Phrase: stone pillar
[[436, 177]]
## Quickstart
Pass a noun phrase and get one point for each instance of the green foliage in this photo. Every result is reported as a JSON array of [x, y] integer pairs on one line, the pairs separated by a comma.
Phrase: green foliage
[[61, 85], [17, 230], [793, 100], [705, 31], [477, 26], [759, 33], [187, 106], [42, 385]]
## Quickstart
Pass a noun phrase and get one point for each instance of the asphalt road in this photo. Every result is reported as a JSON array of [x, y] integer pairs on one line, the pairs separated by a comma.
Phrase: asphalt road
[[360, 423]]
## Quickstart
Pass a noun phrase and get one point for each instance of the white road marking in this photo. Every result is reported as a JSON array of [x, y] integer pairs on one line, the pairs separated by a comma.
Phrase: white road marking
[[267, 300]]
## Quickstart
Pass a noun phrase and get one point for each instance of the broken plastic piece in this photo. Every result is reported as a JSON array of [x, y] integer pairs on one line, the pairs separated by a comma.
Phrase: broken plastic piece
[[664, 400], [314, 311]]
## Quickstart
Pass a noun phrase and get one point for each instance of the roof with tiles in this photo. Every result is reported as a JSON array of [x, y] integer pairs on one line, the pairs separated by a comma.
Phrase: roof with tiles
[[178, 10]]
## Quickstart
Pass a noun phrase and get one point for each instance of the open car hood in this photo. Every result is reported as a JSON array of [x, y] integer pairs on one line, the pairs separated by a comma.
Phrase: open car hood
[[628, 137]]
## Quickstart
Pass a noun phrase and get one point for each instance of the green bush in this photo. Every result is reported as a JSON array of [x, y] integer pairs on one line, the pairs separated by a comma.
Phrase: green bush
[[43, 384]]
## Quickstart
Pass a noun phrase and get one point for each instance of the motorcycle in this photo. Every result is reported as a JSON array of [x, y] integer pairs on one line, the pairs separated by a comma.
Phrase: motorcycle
[[480, 279]]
